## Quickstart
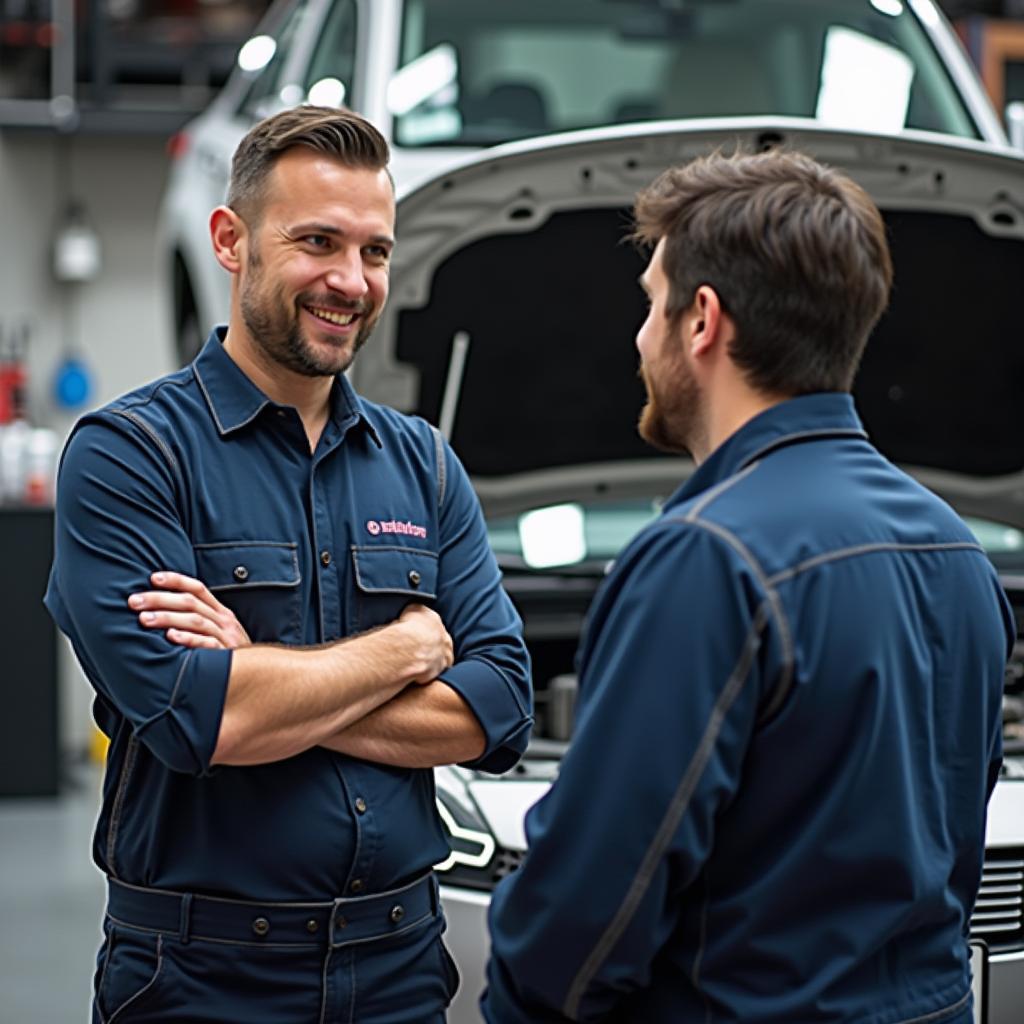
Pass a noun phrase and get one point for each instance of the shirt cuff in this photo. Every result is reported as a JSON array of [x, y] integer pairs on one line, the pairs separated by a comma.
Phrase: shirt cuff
[[184, 736], [490, 696]]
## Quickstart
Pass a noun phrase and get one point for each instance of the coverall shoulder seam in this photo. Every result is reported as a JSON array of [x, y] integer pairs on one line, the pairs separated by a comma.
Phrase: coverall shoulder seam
[[133, 417], [773, 599], [870, 549]]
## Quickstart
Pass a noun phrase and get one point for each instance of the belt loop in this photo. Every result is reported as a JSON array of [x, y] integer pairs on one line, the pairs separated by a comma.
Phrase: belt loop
[[185, 921], [434, 893]]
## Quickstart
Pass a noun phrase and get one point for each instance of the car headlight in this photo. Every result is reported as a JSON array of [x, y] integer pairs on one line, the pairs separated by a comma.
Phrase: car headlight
[[477, 860]]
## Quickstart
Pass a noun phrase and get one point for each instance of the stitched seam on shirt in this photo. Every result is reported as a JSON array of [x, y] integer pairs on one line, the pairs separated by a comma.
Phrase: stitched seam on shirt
[[806, 435], [118, 807], [247, 544], [775, 601], [181, 674], [708, 496], [673, 815], [441, 467], [395, 547], [937, 1015], [135, 418], [870, 549]]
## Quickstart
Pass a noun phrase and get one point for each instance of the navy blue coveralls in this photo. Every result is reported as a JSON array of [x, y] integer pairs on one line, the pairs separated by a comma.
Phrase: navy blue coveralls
[[328, 857], [773, 808]]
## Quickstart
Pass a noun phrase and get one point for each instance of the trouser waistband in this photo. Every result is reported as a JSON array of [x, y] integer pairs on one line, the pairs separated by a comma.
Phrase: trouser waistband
[[339, 922]]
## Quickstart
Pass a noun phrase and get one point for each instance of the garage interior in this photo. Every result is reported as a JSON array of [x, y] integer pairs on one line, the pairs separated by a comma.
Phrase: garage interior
[[87, 130]]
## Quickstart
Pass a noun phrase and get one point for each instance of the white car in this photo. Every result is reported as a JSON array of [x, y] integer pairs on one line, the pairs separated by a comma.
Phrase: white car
[[510, 324], [443, 78]]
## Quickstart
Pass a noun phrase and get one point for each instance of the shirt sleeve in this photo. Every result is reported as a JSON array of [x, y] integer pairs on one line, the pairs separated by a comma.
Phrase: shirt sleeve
[[671, 677], [117, 522], [492, 667]]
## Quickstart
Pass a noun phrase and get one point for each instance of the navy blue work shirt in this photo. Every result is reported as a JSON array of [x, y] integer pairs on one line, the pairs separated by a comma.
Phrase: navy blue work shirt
[[200, 473], [789, 723]]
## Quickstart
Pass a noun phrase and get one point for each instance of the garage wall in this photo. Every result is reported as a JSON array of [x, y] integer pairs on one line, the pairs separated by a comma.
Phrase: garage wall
[[117, 322]]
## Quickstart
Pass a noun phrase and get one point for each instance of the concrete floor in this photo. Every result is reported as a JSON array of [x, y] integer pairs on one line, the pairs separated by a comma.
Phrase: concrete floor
[[51, 901]]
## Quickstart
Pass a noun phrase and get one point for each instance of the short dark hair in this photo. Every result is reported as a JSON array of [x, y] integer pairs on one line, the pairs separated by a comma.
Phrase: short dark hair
[[336, 131], [795, 250]]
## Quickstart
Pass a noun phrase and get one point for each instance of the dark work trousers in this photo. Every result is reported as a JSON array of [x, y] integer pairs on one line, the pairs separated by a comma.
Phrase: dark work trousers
[[173, 958]]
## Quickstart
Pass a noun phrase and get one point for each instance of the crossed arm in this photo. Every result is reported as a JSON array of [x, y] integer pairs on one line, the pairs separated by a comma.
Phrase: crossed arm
[[283, 700]]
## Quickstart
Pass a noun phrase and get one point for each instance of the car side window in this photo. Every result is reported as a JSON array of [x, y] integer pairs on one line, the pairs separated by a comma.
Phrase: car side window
[[331, 71], [263, 95]]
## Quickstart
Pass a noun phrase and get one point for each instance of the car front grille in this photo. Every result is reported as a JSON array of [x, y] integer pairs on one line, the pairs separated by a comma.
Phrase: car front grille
[[999, 911]]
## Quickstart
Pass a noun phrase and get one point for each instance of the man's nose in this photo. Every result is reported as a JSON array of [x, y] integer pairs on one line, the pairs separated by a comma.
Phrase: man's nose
[[346, 275]]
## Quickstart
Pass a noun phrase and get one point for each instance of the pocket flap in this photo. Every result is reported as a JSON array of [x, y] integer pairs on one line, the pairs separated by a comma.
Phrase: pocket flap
[[235, 564], [396, 570]]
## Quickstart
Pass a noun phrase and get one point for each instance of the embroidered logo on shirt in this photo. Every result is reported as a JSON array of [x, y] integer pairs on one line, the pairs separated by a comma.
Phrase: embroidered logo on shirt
[[375, 527]]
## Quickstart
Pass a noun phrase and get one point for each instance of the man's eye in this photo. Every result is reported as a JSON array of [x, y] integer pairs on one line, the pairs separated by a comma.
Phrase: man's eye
[[378, 252], [317, 241]]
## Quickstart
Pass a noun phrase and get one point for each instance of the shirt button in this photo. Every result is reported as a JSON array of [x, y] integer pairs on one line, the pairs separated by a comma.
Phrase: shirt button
[[360, 805], [312, 926], [396, 913], [261, 926], [325, 558], [240, 573], [356, 885], [414, 577]]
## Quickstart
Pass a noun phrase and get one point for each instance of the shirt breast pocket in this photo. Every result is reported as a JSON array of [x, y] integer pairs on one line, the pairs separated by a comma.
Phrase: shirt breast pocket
[[260, 582], [387, 578]]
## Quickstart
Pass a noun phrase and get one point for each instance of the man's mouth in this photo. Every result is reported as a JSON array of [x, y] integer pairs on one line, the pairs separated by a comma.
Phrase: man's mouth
[[331, 316]]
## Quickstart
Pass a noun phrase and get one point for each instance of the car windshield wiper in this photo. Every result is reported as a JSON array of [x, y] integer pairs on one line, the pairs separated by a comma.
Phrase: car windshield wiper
[[515, 564]]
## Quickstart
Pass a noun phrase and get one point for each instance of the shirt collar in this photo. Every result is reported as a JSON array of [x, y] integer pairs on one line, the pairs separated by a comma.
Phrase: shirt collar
[[807, 418], [235, 401]]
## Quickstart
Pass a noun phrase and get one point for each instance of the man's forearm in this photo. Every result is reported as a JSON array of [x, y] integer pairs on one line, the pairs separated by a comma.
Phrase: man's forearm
[[422, 727], [282, 701]]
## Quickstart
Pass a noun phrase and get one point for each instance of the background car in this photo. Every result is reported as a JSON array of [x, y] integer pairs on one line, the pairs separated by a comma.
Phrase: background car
[[443, 78], [511, 323]]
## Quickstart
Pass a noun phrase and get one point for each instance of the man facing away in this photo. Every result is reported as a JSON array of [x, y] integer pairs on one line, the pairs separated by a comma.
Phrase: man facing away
[[277, 693], [773, 808]]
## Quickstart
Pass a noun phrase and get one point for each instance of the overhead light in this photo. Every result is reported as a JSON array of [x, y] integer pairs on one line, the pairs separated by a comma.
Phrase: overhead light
[[256, 53], [76, 248], [423, 78], [328, 92], [553, 536]]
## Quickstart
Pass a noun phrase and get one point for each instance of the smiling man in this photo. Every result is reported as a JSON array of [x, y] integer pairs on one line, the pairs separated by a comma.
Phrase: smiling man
[[790, 684], [276, 670]]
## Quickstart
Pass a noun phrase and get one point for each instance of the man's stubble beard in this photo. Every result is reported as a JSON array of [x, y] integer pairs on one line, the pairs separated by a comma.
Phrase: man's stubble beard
[[275, 328], [673, 418]]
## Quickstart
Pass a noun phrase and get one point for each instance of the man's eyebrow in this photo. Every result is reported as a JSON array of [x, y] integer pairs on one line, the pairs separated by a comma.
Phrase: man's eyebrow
[[316, 228]]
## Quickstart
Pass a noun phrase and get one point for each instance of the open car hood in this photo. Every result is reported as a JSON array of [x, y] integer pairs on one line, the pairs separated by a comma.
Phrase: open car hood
[[515, 304]]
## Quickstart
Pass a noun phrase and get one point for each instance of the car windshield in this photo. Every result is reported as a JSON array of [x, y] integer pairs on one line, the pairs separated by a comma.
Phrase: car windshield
[[477, 73], [591, 535]]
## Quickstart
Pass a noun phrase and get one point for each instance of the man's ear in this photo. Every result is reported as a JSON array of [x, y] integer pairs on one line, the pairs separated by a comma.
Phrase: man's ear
[[229, 233], [709, 324]]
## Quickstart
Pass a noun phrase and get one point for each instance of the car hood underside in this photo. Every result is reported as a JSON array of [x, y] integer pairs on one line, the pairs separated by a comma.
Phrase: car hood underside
[[515, 304]]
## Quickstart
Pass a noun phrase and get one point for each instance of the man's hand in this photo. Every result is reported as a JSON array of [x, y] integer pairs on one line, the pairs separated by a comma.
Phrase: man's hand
[[190, 614], [430, 646]]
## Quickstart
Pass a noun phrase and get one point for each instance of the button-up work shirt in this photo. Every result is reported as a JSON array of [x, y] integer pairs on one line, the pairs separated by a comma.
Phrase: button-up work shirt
[[789, 720], [202, 474]]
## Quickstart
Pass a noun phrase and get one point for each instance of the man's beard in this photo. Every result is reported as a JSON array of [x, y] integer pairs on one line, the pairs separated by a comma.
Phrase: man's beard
[[673, 418], [275, 327]]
